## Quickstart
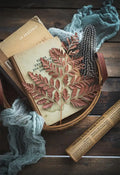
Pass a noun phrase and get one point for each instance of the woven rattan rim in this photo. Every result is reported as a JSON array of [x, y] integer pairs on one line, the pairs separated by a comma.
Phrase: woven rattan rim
[[102, 76], [85, 113]]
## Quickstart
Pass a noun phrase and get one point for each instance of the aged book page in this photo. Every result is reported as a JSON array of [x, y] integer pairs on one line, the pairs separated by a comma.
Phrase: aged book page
[[27, 36], [29, 61]]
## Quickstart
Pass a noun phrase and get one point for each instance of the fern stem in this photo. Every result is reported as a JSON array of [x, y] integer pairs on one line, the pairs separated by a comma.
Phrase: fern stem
[[61, 106]]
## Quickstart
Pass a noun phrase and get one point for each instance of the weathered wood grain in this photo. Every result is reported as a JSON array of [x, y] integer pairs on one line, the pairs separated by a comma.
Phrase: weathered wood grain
[[106, 100], [53, 3], [111, 85], [65, 166], [50, 17], [60, 14], [111, 52], [58, 141], [9, 21]]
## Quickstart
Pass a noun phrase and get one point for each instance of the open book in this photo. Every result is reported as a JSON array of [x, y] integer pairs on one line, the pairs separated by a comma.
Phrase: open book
[[49, 77]]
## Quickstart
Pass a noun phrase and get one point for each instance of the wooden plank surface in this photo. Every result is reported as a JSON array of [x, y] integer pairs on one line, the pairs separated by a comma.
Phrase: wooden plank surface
[[14, 14], [57, 142], [53, 4], [57, 158], [111, 52], [12, 19], [111, 85], [65, 166]]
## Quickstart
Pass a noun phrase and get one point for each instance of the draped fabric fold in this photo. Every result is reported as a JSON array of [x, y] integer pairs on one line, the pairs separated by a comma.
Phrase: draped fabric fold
[[27, 145], [105, 20]]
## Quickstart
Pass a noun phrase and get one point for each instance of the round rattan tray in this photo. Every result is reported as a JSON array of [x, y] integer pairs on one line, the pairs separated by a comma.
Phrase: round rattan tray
[[75, 118], [70, 121]]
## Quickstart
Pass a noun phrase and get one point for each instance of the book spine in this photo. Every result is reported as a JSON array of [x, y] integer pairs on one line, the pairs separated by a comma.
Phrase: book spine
[[92, 135], [24, 38], [7, 69], [9, 79]]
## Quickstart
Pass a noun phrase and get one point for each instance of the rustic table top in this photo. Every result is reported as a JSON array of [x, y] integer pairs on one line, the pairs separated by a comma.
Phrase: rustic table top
[[104, 157]]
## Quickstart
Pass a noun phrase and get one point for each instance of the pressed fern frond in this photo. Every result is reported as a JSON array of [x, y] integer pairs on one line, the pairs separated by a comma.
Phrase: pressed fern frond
[[64, 83]]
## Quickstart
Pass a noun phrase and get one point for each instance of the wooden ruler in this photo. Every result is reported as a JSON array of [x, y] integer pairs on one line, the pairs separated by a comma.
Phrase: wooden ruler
[[92, 135]]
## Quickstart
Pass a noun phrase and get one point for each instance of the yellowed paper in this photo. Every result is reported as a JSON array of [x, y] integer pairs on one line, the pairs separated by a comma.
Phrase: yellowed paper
[[30, 61], [27, 36]]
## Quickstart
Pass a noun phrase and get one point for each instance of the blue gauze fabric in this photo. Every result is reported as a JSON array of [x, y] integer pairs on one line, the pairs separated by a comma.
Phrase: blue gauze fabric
[[27, 145], [106, 22]]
